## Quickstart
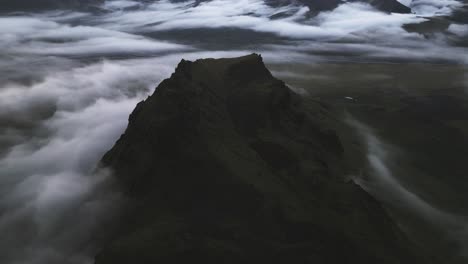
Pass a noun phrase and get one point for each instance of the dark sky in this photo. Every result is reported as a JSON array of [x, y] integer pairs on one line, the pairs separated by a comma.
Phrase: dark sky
[[27, 5]]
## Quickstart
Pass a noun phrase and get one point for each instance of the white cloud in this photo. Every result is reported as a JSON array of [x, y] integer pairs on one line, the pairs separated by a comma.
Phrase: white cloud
[[434, 7], [27, 35], [51, 201], [47, 191], [256, 15], [459, 30]]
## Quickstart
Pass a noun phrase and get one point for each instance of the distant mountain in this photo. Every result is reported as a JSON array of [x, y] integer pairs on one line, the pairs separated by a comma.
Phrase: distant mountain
[[391, 6], [225, 164]]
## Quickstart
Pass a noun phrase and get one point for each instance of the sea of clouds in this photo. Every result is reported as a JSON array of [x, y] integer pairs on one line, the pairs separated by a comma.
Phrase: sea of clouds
[[70, 78]]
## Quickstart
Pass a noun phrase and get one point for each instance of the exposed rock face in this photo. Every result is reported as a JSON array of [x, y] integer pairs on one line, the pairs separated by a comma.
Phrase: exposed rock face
[[226, 164]]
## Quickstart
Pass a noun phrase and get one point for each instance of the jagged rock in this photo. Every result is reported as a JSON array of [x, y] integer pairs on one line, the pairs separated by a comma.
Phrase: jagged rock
[[225, 164]]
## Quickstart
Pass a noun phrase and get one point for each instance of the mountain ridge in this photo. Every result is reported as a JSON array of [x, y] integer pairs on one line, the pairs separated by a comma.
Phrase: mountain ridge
[[390, 6], [225, 163]]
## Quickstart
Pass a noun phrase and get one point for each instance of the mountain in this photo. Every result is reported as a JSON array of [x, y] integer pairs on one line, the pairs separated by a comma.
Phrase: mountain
[[225, 164], [391, 6]]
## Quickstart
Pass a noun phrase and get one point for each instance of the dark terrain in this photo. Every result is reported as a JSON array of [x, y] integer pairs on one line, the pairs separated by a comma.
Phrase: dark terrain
[[382, 5], [419, 112], [225, 164]]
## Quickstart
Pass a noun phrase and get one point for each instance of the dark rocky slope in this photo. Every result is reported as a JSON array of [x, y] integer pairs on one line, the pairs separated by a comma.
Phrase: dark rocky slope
[[225, 164], [390, 6]]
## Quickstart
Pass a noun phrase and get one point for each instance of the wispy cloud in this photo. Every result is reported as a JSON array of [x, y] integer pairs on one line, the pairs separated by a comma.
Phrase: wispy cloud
[[27, 35], [386, 187]]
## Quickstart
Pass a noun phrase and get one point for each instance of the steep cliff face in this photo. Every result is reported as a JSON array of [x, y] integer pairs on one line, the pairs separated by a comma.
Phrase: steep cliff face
[[225, 164]]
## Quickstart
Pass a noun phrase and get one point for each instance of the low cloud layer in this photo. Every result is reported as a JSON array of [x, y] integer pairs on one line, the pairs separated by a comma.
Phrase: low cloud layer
[[69, 79], [21, 35], [434, 7], [52, 203], [386, 187], [54, 206], [287, 21], [351, 28]]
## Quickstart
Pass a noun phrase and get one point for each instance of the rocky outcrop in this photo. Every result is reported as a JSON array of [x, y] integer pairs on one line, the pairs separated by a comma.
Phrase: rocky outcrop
[[225, 164]]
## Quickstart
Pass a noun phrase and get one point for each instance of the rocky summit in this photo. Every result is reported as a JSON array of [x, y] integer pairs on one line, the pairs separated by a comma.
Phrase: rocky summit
[[226, 164]]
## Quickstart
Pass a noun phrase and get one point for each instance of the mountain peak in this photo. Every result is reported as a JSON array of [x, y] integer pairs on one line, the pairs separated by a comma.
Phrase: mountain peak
[[226, 164], [253, 62]]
